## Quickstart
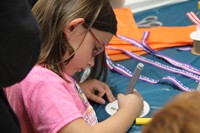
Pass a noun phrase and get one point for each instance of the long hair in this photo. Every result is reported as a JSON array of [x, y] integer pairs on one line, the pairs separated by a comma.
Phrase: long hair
[[53, 15]]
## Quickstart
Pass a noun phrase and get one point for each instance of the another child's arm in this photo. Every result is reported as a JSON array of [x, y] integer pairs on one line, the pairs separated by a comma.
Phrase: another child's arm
[[130, 107], [90, 87]]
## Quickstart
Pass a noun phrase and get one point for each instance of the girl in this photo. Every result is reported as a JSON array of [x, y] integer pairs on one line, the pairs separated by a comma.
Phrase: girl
[[48, 100]]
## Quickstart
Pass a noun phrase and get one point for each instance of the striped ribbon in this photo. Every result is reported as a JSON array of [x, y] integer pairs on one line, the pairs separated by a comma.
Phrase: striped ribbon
[[193, 17], [178, 64], [126, 72], [157, 64]]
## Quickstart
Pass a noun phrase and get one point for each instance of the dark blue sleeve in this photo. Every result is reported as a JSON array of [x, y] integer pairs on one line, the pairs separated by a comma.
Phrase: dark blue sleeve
[[19, 41], [32, 2]]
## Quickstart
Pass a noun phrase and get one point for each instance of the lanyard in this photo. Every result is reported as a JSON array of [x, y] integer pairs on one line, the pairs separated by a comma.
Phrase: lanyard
[[82, 95], [157, 64], [178, 64], [193, 17], [126, 72]]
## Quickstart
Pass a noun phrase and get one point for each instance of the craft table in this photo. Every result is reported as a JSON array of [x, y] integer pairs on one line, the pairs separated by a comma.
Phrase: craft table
[[157, 95]]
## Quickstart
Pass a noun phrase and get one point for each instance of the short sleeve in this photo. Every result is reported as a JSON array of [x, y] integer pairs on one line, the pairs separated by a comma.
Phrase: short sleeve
[[51, 105]]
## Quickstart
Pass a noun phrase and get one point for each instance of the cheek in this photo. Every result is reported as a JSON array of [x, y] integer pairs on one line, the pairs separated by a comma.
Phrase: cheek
[[75, 42], [86, 49], [83, 56], [80, 59]]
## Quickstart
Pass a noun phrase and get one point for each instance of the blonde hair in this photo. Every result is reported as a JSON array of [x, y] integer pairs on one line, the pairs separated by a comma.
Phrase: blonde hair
[[181, 115], [53, 15]]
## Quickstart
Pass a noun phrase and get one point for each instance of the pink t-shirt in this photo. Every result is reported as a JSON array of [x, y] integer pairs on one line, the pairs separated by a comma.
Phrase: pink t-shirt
[[45, 103]]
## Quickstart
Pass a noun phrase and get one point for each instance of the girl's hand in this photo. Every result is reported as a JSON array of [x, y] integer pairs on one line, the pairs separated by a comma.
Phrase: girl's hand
[[95, 90], [132, 102]]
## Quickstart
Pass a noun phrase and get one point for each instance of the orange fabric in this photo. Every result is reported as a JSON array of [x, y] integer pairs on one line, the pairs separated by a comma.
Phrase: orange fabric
[[127, 28], [136, 50], [160, 37], [170, 35], [117, 55]]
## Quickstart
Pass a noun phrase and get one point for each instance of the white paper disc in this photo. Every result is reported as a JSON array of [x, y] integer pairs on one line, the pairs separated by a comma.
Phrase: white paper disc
[[111, 108]]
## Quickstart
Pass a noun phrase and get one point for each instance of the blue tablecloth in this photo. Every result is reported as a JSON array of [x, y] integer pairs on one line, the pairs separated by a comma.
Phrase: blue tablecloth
[[157, 95]]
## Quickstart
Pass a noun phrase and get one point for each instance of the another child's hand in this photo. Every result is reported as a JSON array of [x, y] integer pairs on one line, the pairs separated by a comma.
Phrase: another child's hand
[[95, 90], [133, 102]]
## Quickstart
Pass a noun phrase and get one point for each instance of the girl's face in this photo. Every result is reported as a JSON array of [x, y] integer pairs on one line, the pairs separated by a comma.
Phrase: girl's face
[[88, 47]]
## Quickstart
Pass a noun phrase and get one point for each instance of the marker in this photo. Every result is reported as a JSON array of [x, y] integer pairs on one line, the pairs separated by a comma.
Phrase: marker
[[134, 78], [142, 121]]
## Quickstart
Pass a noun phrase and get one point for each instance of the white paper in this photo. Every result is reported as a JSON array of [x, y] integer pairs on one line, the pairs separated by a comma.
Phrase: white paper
[[142, 5]]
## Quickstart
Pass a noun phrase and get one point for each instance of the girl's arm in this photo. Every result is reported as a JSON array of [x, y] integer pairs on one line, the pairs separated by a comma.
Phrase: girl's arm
[[130, 107]]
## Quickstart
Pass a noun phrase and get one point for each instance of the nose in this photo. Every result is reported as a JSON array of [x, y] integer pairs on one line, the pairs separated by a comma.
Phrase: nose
[[91, 62]]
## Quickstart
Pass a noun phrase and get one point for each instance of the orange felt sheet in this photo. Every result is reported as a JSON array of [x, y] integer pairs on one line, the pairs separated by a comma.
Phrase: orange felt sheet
[[160, 37]]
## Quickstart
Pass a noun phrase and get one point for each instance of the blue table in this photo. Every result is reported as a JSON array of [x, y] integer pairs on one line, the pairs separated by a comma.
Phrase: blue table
[[157, 95]]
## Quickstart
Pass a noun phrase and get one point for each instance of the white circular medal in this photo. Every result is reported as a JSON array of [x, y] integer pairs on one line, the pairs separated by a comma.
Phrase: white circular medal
[[111, 108]]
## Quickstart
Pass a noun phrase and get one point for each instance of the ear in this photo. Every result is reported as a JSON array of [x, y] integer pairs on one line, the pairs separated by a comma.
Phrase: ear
[[69, 28]]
